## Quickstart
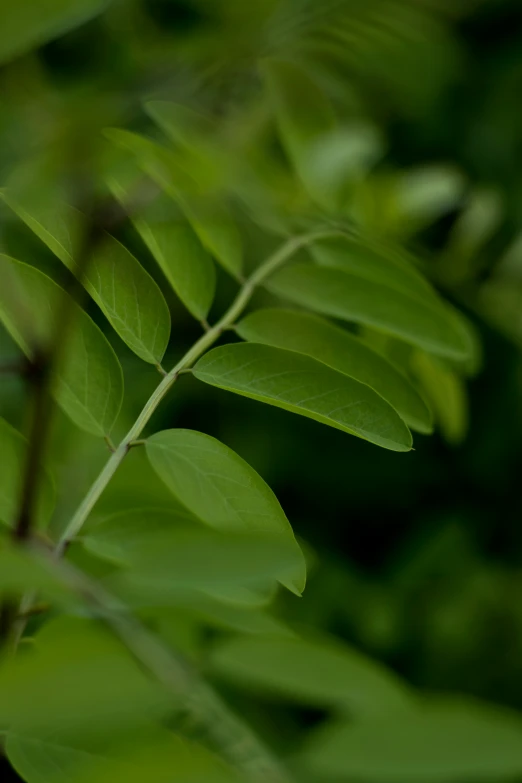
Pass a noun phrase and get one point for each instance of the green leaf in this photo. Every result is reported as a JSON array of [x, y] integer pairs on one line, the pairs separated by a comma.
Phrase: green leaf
[[188, 557], [320, 673], [387, 268], [304, 115], [22, 570], [209, 216], [89, 381], [445, 740], [28, 24], [446, 393], [220, 488], [78, 683], [13, 448], [184, 261], [425, 193], [315, 337], [124, 291], [302, 385], [422, 322]]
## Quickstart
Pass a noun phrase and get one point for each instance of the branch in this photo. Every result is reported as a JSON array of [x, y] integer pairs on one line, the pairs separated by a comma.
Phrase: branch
[[203, 344]]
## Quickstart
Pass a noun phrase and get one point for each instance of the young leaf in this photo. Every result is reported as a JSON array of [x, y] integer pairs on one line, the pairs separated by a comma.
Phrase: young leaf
[[422, 322], [13, 448], [28, 24], [89, 381], [316, 337], [319, 673], [124, 291], [220, 488], [184, 261], [443, 740], [302, 385]]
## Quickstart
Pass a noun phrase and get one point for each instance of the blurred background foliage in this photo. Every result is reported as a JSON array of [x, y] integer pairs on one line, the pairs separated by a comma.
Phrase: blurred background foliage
[[415, 559]]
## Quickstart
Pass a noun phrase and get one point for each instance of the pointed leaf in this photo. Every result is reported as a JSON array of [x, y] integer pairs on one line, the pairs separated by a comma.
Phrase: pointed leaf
[[89, 382], [13, 448], [315, 337], [125, 292], [184, 261], [444, 740], [302, 385], [220, 488], [446, 393], [320, 673], [427, 324]]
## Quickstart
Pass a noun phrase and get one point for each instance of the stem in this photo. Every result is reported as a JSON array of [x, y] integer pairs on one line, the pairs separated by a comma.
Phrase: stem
[[203, 344]]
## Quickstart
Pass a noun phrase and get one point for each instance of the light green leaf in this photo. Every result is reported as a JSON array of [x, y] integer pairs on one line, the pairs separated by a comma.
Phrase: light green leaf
[[315, 337], [446, 393], [304, 116], [118, 536], [445, 741], [422, 322], [209, 216], [89, 382], [320, 673], [387, 268], [302, 385], [194, 558], [426, 193], [77, 683], [184, 261], [28, 24], [220, 488], [124, 291], [13, 448]]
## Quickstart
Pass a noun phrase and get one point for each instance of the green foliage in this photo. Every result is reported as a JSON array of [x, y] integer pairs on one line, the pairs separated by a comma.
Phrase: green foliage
[[189, 170]]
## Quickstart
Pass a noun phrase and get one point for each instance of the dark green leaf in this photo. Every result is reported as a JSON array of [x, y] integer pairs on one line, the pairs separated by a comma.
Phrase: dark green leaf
[[322, 673], [426, 323], [315, 337], [444, 741], [446, 393], [13, 448], [220, 488], [302, 385], [89, 382]]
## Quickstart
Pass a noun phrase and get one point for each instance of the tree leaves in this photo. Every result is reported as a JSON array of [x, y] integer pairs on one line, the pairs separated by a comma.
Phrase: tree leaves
[[319, 673], [124, 291], [302, 385], [427, 324], [220, 488], [13, 448], [89, 380], [315, 337], [444, 740], [184, 261], [30, 23]]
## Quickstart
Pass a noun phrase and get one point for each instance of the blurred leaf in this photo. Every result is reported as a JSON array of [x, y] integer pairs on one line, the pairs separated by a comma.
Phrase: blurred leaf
[[189, 557], [423, 322], [125, 292], [315, 337], [445, 740], [27, 24], [320, 673], [23, 570], [302, 385], [446, 393], [77, 683], [427, 192], [220, 488], [185, 263], [89, 381], [13, 448]]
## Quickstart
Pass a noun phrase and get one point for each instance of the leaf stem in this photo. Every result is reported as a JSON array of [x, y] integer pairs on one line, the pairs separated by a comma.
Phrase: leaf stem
[[269, 266]]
